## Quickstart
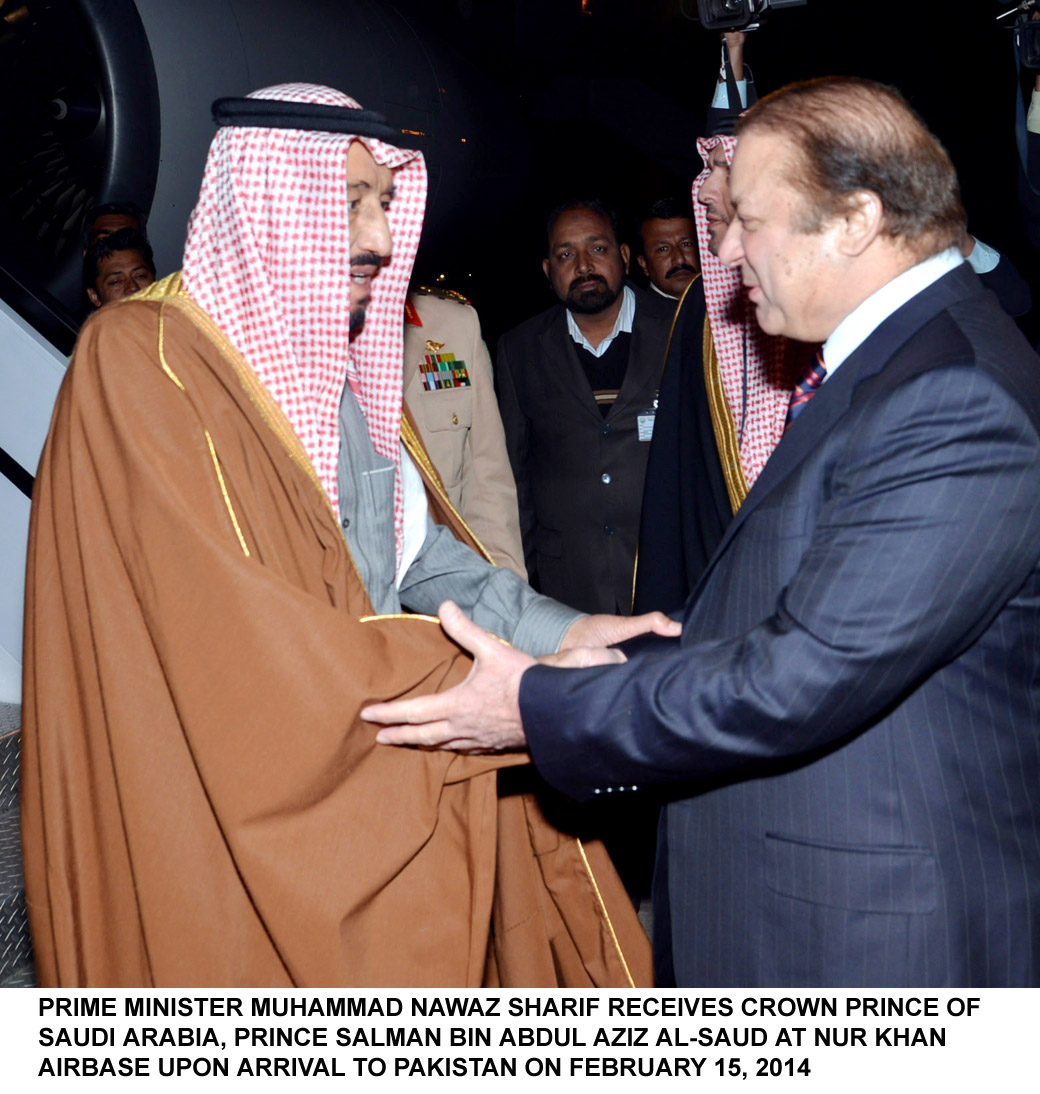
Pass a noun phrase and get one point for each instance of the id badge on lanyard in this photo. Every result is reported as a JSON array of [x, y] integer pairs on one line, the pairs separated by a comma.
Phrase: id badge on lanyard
[[645, 422]]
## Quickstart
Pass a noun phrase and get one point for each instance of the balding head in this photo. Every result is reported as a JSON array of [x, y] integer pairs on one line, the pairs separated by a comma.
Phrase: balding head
[[847, 135]]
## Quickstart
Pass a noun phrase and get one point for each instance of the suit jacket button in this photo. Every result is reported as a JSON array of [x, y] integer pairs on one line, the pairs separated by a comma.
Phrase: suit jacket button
[[605, 478], [607, 428], [607, 530]]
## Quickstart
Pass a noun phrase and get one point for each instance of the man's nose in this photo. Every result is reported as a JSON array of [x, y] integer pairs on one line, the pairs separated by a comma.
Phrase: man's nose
[[372, 233], [730, 249]]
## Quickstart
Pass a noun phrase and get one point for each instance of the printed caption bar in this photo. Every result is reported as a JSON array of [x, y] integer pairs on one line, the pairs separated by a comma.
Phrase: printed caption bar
[[380, 1039]]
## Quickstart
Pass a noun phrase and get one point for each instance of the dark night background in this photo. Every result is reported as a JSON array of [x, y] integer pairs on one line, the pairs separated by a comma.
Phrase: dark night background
[[608, 97]]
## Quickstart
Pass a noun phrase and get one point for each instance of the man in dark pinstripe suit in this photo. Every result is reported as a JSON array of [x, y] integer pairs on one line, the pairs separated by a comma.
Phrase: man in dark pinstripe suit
[[849, 725]]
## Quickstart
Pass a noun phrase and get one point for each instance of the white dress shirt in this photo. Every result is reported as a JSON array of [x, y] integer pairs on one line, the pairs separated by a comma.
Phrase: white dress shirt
[[862, 321]]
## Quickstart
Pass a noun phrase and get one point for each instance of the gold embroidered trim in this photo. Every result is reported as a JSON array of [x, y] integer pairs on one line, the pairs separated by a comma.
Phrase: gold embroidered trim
[[675, 320], [209, 440], [161, 290], [723, 423], [664, 364], [606, 915], [418, 453], [261, 398], [400, 615]]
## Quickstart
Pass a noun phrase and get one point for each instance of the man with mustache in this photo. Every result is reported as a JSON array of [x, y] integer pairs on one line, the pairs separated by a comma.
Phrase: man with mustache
[[578, 389], [724, 395], [669, 243], [237, 539]]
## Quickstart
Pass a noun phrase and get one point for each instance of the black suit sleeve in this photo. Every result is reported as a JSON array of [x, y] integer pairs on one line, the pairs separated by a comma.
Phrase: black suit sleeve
[[1009, 287]]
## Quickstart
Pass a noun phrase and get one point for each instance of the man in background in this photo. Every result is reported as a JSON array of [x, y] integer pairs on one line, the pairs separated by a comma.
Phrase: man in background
[[450, 392], [724, 395], [117, 264], [668, 246], [577, 387], [103, 220]]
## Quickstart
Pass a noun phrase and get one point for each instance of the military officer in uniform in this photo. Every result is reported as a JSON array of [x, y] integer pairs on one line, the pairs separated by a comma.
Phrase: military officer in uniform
[[449, 390]]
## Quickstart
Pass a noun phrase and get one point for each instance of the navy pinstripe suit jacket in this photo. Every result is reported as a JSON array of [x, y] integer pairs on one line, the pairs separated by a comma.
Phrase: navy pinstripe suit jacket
[[850, 725]]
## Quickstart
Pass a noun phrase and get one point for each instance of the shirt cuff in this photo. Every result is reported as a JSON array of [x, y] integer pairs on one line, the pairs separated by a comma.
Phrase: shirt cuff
[[1033, 117], [983, 258], [542, 625]]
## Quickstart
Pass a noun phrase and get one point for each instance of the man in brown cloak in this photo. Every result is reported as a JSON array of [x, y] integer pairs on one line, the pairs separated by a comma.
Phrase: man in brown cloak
[[202, 804]]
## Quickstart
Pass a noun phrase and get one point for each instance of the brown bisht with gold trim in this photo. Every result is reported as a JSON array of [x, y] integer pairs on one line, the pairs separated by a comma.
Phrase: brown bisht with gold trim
[[201, 804]]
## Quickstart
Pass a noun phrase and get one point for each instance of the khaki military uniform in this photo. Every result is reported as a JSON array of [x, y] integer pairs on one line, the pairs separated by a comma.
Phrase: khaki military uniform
[[448, 388]]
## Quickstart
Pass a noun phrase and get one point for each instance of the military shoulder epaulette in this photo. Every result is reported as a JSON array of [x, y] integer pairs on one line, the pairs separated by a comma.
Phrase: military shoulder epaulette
[[443, 294]]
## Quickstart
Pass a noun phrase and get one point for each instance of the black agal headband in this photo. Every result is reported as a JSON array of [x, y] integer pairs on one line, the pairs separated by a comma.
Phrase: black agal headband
[[279, 114]]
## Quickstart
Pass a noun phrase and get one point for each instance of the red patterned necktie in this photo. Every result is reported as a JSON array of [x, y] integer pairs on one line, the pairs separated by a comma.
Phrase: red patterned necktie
[[806, 389]]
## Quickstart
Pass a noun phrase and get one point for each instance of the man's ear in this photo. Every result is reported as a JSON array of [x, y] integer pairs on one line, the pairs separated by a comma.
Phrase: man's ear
[[861, 222], [626, 254], [642, 265], [545, 268], [93, 297]]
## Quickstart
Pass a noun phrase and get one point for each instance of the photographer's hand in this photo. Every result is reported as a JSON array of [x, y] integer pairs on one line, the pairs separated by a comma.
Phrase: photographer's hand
[[734, 39]]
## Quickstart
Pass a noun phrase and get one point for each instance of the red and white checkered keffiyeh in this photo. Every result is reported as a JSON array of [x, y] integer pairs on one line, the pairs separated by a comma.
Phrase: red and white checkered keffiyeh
[[760, 411], [268, 258]]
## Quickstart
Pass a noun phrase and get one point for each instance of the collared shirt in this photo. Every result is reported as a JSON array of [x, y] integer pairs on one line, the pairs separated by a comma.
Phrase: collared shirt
[[983, 257], [1033, 117], [416, 513], [862, 321], [622, 325]]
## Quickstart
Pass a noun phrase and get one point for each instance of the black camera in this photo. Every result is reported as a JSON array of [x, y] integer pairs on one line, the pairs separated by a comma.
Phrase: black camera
[[1027, 32], [739, 14]]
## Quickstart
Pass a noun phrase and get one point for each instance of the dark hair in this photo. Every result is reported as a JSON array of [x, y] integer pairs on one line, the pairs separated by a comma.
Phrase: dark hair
[[114, 209], [666, 208], [852, 134], [126, 239], [593, 205]]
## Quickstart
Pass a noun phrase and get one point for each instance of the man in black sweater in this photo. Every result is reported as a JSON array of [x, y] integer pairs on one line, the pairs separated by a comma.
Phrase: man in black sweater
[[578, 389]]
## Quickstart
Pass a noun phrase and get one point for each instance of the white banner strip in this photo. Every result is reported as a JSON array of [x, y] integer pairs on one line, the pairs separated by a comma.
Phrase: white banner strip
[[806, 1040]]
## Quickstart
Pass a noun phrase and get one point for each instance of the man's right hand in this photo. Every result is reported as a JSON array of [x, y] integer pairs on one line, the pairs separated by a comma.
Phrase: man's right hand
[[734, 39]]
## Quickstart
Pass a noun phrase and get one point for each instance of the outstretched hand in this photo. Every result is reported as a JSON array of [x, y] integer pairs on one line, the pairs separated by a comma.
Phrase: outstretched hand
[[482, 714], [606, 630]]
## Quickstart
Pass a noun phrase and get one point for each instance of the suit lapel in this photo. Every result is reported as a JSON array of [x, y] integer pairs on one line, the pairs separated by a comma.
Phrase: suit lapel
[[834, 398]]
